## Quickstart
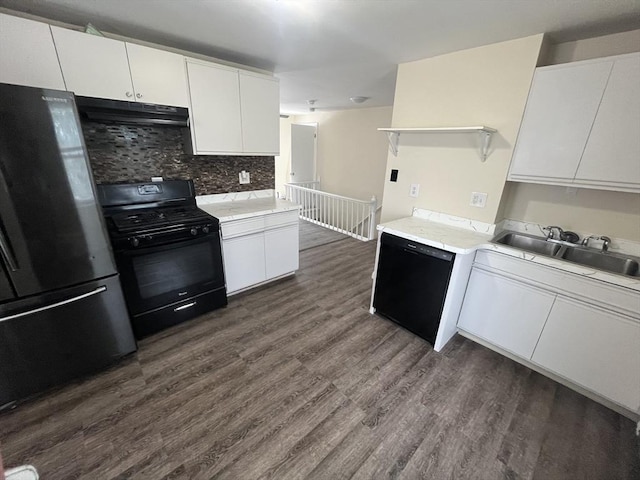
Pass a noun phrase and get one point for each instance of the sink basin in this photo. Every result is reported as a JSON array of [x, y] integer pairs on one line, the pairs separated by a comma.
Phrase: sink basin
[[609, 262], [529, 243], [603, 261]]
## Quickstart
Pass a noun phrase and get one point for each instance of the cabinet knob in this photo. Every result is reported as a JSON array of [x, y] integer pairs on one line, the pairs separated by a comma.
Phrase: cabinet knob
[[129, 94], [138, 95]]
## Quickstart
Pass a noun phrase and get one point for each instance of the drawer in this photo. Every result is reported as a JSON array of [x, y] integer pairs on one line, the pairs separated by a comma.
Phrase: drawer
[[281, 219], [245, 226], [595, 292]]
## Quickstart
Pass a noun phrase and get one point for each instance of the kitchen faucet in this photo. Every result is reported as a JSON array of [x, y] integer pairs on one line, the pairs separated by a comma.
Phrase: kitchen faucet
[[550, 234], [606, 241]]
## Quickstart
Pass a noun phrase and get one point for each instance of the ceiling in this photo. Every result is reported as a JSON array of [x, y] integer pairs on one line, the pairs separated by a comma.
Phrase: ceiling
[[330, 50]]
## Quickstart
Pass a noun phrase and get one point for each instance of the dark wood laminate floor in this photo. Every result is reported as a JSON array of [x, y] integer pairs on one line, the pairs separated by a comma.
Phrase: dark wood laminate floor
[[296, 380], [312, 235]]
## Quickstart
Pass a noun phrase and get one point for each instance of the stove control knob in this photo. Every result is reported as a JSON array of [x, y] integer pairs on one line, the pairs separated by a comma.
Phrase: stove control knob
[[194, 231], [205, 229], [135, 242]]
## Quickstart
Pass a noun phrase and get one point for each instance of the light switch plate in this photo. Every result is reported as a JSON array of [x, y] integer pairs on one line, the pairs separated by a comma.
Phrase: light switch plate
[[478, 199], [414, 191]]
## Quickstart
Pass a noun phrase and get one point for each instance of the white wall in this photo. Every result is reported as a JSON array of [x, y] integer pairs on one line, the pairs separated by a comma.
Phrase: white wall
[[283, 161], [352, 154], [614, 214], [481, 86]]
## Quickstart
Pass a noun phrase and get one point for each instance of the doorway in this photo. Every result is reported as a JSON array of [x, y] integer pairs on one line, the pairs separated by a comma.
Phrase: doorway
[[303, 152]]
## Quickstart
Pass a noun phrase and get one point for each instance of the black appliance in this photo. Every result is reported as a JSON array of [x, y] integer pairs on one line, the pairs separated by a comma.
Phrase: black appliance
[[62, 312], [167, 250], [411, 284], [136, 113]]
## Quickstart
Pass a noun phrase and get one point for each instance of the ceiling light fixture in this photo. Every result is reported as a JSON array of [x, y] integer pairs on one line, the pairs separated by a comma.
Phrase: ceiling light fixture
[[359, 99], [311, 105]]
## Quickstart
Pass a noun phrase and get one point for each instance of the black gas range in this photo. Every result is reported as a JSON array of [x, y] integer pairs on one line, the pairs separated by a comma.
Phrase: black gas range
[[167, 251]]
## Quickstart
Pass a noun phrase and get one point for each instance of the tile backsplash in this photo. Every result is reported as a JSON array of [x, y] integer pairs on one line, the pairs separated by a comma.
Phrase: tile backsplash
[[131, 153]]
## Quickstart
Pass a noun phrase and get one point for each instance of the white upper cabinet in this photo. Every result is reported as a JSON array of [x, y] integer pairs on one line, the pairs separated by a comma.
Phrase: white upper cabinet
[[93, 66], [561, 107], [260, 107], [158, 76], [581, 126], [27, 54], [233, 112], [612, 153], [101, 67], [215, 109]]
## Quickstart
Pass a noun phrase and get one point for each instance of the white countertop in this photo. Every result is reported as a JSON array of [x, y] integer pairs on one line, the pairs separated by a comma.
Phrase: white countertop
[[435, 234], [246, 208], [467, 240]]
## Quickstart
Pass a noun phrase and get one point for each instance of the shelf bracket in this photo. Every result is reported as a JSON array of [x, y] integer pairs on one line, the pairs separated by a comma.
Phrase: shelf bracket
[[393, 138], [486, 143]]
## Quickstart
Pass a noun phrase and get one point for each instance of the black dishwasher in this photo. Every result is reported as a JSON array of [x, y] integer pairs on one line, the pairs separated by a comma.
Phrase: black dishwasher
[[411, 284]]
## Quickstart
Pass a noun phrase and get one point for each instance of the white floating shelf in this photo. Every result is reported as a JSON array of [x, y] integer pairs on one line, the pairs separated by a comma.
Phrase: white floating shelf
[[393, 134]]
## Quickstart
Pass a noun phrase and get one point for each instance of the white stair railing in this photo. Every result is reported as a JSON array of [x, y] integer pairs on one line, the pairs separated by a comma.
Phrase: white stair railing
[[353, 217]]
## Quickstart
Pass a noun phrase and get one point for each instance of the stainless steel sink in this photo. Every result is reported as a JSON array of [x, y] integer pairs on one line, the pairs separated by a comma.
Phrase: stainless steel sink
[[604, 261], [529, 243], [609, 262]]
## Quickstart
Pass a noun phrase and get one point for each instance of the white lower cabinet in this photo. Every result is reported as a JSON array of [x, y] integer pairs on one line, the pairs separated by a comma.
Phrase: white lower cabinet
[[259, 249], [281, 250], [597, 349], [504, 312], [581, 331], [244, 261]]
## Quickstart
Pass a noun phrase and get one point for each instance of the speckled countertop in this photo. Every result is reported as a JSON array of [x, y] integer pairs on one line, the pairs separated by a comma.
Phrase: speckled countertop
[[246, 208], [468, 237]]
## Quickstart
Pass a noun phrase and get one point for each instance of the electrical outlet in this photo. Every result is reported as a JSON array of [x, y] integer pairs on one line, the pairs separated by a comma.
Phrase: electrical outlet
[[414, 191], [244, 177], [478, 199]]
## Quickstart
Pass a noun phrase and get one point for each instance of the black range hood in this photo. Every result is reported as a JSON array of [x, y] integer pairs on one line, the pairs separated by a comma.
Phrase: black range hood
[[135, 113]]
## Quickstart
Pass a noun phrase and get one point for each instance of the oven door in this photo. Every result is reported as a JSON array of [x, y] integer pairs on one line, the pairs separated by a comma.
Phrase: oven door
[[153, 277]]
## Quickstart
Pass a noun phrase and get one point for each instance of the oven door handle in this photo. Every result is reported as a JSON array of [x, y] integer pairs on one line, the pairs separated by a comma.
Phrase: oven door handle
[[185, 306], [56, 305]]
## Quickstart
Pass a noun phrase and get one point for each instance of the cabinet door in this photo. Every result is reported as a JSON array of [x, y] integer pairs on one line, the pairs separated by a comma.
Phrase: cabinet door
[[27, 54], [260, 107], [281, 250], [215, 109], [612, 153], [243, 261], [594, 348], [158, 76], [93, 66], [504, 312], [560, 111]]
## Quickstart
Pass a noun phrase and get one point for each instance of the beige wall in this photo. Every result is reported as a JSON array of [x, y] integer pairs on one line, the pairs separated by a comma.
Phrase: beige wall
[[351, 153], [610, 213], [481, 86], [283, 161], [616, 44], [601, 212]]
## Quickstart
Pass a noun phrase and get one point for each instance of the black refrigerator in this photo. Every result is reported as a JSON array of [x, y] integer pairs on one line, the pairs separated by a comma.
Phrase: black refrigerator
[[62, 312]]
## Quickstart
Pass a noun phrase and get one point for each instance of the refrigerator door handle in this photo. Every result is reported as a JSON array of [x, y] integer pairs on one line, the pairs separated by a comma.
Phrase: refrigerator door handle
[[57, 304], [6, 253]]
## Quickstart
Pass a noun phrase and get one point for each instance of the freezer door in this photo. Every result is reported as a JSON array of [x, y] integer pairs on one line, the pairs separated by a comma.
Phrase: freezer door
[[50, 220], [53, 338]]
